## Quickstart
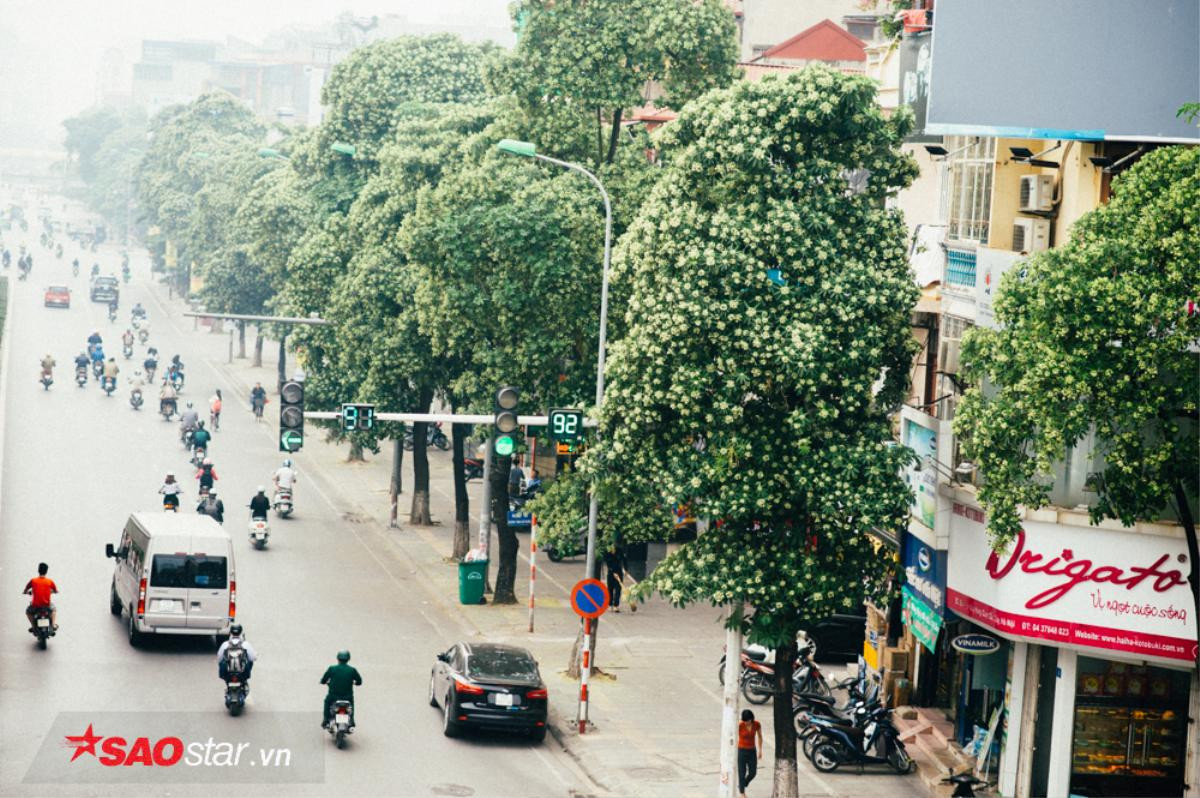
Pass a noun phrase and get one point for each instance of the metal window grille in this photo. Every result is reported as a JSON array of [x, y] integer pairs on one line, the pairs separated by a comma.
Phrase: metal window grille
[[960, 267], [969, 195]]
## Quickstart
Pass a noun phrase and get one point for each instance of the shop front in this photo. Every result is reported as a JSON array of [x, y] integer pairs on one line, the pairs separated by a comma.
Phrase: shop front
[[1104, 640]]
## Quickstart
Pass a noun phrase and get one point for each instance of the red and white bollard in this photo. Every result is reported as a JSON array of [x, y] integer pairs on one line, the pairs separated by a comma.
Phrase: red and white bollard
[[585, 669], [532, 565]]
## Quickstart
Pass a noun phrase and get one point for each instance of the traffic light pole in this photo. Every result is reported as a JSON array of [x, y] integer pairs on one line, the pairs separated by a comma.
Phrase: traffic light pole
[[311, 320]]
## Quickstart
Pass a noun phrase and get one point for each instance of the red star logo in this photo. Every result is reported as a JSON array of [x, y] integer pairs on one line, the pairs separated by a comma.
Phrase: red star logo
[[84, 743]]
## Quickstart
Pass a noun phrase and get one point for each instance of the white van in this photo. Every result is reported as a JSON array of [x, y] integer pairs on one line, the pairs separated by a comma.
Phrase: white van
[[175, 575]]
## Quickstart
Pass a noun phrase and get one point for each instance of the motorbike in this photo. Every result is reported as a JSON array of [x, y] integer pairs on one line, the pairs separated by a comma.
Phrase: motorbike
[[171, 502], [282, 502], [339, 723], [125, 276], [143, 335], [151, 366], [236, 691], [758, 676], [112, 314], [97, 368], [42, 629], [177, 379], [472, 468], [127, 350], [22, 273], [109, 384], [433, 437], [47, 380], [556, 554], [517, 502], [167, 408], [185, 437], [81, 376], [198, 455], [874, 742], [74, 269], [135, 399], [259, 532], [135, 322], [258, 405]]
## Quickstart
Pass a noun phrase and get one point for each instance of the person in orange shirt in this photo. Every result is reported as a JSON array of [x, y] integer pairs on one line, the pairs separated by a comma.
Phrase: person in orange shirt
[[41, 587], [749, 733]]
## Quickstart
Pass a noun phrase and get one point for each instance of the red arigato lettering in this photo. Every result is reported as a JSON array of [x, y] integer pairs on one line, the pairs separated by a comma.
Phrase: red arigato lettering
[[1078, 571]]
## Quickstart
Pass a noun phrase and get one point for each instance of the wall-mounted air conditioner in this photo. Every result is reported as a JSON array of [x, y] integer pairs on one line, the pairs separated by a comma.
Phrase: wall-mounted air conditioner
[[1037, 192], [1030, 235], [948, 351]]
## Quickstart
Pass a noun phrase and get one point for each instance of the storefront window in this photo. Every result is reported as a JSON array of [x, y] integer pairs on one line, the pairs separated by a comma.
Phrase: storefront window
[[1130, 729]]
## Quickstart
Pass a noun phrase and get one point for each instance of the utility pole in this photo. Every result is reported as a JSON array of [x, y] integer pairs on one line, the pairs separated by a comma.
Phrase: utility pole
[[727, 786]]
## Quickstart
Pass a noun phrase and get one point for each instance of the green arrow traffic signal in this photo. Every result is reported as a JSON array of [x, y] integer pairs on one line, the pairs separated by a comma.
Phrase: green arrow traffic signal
[[290, 440]]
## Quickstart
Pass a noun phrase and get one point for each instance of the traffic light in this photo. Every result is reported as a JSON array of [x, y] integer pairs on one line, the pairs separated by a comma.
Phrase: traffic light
[[291, 416], [357, 417], [504, 411], [566, 425]]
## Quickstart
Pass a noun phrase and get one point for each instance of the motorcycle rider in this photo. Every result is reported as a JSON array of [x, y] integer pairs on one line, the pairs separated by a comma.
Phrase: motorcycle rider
[[228, 655], [207, 475], [137, 383], [150, 363], [138, 312], [40, 588], [170, 491], [188, 421], [258, 398], [213, 507], [95, 270], [284, 477], [341, 679], [74, 266], [81, 362], [97, 355], [48, 365], [111, 370], [201, 437], [94, 340], [127, 338], [259, 505], [168, 396]]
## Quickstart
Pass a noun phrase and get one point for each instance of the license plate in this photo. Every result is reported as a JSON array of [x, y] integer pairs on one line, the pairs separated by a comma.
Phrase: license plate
[[166, 605], [43, 621], [503, 700]]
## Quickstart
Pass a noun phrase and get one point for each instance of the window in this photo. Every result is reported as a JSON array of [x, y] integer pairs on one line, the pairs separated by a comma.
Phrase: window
[[168, 571], [488, 663], [757, 50], [967, 189], [208, 572], [180, 570]]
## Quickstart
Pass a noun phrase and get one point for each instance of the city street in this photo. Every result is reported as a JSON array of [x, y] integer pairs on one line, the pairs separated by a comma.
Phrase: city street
[[76, 463]]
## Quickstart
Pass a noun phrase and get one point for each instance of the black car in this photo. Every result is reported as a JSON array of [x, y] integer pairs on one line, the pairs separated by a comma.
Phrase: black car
[[839, 637], [490, 686], [105, 289]]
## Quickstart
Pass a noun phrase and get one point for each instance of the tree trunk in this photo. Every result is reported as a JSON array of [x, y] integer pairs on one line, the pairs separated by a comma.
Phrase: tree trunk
[[506, 571], [283, 366], [614, 136], [258, 347], [462, 504], [356, 453], [241, 340], [786, 783], [1189, 530], [419, 516], [599, 135], [396, 482]]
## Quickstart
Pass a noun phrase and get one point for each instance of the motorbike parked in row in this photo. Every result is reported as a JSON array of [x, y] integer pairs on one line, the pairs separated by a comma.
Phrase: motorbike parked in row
[[758, 675], [557, 554], [472, 468], [433, 437], [339, 725], [870, 739]]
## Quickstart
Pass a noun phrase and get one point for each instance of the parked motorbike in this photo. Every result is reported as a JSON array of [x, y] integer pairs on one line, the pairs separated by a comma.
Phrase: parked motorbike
[[47, 380], [42, 629], [127, 350], [517, 502], [81, 376], [472, 468], [875, 742], [433, 437], [259, 532], [109, 384], [282, 502], [135, 399], [758, 676], [236, 691], [556, 554], [339, 724]]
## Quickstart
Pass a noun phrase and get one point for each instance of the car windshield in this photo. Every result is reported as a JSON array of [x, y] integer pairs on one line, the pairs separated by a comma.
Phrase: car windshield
[[58, 289], [501, 664], [106, 280]]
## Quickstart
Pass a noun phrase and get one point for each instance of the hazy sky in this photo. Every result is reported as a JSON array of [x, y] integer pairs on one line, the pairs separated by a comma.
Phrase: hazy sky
[[50, 49]]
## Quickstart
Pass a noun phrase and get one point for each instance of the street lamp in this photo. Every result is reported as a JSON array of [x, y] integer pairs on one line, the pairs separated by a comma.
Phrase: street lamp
[[527, 149], [271, 152], [343, 149]]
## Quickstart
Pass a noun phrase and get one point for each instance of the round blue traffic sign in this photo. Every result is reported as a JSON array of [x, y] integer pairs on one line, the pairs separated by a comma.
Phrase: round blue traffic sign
[[589, 598]]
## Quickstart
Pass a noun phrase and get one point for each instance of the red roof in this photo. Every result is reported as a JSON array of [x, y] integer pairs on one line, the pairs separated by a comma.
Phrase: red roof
[[825, 41]]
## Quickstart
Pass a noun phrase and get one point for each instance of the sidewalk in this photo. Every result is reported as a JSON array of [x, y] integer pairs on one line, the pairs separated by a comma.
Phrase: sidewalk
[[656, 707]]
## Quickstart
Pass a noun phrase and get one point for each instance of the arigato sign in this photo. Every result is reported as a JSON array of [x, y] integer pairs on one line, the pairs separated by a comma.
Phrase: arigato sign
[[1080, 586]]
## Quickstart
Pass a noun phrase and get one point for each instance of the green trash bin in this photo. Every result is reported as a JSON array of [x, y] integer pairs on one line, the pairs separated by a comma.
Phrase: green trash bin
[[471, 576]]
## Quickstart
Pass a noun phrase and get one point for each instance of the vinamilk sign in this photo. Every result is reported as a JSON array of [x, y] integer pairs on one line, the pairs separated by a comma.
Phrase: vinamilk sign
[[1083, 587]]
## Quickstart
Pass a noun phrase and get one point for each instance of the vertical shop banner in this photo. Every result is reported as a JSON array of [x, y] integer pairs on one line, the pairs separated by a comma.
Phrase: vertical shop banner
[[922, 478], [924, 590], [1088, 587]]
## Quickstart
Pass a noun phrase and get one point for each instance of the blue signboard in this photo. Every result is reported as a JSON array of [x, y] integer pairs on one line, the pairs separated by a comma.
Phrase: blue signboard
[[519, 519], [925, 573]]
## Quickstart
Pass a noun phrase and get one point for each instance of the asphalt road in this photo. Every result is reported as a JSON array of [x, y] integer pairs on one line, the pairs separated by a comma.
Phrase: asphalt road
[[76, 463]]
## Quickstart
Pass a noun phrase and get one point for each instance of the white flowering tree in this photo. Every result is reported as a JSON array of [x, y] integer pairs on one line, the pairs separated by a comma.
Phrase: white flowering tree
[[768, 338]]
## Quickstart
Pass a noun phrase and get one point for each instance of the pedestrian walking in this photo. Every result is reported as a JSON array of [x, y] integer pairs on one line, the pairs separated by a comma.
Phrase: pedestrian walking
[[749, 734], [614, 565]]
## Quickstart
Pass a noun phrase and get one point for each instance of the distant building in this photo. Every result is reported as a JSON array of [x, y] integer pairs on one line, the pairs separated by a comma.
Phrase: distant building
[[763, 24]]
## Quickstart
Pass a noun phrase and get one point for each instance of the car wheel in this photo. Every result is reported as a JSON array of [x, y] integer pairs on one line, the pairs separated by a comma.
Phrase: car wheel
[[114, 603], [135, 637], [449, 725], [432, 697], [538, 735]]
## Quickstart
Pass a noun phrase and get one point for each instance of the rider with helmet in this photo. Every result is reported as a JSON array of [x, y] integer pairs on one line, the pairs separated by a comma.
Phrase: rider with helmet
[[341, 679], [201, 437], [236, 656], [259, 505], [207, 475]]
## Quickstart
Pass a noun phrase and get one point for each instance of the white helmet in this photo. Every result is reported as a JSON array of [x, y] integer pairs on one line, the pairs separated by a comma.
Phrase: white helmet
[[261, 489]]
